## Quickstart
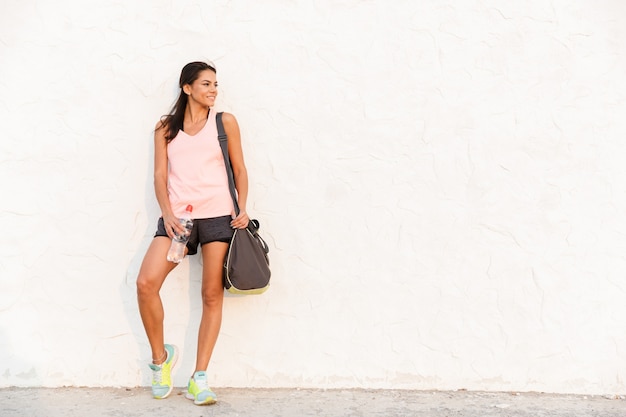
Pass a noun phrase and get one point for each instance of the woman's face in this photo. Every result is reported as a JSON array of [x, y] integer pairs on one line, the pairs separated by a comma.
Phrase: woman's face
[[204, 89]]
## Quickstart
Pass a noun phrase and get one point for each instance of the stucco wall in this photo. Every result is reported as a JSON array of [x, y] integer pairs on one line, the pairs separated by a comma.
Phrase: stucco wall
[[441, 185]]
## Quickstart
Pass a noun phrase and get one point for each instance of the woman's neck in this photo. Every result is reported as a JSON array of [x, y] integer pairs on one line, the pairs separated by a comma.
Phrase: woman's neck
[[195, 114]]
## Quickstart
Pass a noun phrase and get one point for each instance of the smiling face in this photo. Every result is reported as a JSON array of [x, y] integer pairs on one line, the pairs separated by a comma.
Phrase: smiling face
[[204, 89]]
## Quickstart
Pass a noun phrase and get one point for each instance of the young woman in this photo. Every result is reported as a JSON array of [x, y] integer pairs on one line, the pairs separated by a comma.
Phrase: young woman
[[189, 170]]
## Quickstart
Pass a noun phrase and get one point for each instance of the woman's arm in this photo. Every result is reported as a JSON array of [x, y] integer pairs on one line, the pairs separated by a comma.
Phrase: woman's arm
[[171, 222], [235, 152]]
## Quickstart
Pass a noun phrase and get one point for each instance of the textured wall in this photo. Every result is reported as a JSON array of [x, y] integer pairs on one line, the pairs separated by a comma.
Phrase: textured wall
[[441, 184]]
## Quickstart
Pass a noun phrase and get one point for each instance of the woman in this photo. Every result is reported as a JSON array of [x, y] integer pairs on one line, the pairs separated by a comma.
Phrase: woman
[[189, 170]]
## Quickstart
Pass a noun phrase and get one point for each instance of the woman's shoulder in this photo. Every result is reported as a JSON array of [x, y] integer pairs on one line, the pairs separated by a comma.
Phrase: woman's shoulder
[[228, 118], [161, 124]]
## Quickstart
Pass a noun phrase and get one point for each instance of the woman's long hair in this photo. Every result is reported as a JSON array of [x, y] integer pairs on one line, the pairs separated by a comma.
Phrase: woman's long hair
[[173, 121]]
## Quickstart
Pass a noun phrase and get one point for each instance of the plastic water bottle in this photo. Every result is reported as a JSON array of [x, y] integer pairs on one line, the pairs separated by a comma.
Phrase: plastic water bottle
[[177, 248]]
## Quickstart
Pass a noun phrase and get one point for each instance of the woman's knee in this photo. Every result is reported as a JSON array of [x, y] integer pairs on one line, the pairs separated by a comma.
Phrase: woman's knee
[[212, 297], [147, 286]]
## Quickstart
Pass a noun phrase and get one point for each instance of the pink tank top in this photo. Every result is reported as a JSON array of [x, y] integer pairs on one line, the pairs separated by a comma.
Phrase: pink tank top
[[197, 174]]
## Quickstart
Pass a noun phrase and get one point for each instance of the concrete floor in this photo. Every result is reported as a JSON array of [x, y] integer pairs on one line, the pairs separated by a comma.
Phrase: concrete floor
[[137, 402]]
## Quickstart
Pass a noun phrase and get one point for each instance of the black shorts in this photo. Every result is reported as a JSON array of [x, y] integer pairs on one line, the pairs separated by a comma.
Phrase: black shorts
[[214, 229]]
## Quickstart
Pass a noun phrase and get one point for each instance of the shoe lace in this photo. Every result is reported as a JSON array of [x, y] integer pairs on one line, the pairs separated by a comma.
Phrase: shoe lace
[[157, 376], [202, 384]]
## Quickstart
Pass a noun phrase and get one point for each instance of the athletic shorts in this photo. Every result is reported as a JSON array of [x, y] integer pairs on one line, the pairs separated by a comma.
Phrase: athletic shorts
[[214, 229]]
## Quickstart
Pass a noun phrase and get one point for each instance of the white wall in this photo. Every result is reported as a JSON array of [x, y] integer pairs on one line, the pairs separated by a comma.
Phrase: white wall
[[441, 184]]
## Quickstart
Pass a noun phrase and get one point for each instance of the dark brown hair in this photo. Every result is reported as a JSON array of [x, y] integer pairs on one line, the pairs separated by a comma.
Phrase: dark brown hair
[[173, 121]]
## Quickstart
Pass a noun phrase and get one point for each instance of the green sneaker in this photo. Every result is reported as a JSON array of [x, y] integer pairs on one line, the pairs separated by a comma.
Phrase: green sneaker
[[162, 374], [198, 390]]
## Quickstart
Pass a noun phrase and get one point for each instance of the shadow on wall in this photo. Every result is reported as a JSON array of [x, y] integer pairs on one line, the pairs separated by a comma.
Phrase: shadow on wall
[[26, 371], [128, 289]]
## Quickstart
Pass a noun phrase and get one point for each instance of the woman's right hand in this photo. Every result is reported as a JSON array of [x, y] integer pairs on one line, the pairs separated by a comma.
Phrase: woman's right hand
[[173, 226]]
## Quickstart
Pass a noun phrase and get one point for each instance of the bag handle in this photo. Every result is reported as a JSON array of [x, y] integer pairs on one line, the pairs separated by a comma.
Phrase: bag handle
[[223, 138]]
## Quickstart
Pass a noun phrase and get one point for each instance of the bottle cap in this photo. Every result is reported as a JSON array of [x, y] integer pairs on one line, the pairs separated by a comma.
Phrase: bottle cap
[[189, 208]]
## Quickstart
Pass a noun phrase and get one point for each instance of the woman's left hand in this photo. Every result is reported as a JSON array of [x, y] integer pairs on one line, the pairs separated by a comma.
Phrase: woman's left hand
[[241, 221]]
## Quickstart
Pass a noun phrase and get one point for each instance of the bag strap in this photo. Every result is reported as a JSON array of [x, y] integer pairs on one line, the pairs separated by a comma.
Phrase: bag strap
[[253, 224], [223, 138]]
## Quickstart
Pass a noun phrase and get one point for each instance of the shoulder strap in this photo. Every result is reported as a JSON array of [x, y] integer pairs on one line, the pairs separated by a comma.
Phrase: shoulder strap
[[221, 136]]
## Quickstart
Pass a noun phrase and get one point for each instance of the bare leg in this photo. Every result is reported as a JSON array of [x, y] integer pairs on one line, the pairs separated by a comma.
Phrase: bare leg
[[154, 270], [213, 255]]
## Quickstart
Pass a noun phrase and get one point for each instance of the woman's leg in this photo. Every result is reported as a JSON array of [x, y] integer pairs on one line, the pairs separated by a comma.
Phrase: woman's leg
[[213, 255], [154, 270]]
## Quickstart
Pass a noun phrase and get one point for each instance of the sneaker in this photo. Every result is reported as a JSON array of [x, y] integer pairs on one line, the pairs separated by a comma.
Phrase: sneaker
[[198, 390], [162, 374]]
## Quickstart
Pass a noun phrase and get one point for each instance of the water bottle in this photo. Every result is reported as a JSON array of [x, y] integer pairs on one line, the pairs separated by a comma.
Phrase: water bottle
[[177, 248]]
